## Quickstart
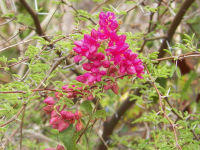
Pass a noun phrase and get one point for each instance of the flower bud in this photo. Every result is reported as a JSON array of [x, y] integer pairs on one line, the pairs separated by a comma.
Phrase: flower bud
[[122, 37], [48, 109], [115, 88], [102, 15], [99, 77], [131, 70], [90, 98], [97, 63], [91, 78], [139, 68], [77, 49], [100, 56], [122, 69], [94, 33], [69, 115], [49, 100], [77, 58], [108, 86], [63, 125], [79, 125], [106, 63], [59, 147], [54, 120], [78, 43], [94, 70], [93, 49], [87, 66], [81, 78], [102, 72], [113, 69], [54, 114]]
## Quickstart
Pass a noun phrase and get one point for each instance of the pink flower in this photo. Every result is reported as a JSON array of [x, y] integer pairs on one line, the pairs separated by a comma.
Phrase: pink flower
[[54, 120], [106, 63], [49, 100], [97, 63], [59, 147], [81, 78], [77, 58], [90, 97], [131, 70], [54, 114], [62, 125], [78, 43], [113, 69], [87, 66], [48, 109], [100, 56], [94, 34], [69, 115]]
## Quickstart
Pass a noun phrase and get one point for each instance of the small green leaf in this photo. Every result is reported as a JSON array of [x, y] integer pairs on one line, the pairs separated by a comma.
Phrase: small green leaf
[[100, 114], [8, 15], [66, 137], [166, 50], [178, 72], [188, 37], [86, 106]]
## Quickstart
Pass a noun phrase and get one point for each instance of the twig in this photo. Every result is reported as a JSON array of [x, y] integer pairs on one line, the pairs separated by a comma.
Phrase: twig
[[160, 103], [21, 128], [12, 17], [53, 15], [93, 10]]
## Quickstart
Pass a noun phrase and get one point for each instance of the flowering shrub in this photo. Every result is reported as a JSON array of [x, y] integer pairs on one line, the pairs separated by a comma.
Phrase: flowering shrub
[[87, 88], [115, 60]]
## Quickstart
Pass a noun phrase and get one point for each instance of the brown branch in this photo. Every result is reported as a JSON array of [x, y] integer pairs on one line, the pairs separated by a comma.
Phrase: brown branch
[[39, 30], [175, 23], [112, 123]]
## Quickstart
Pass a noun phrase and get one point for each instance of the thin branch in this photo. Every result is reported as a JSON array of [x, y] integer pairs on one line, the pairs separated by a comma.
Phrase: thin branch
[[161, 107], [53, 15], [15, 10], [173, 26], [93, 10], [39, 30], [21, 128]]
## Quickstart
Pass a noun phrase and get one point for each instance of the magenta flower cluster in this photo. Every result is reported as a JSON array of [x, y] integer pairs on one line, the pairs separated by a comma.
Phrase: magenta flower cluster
[[107, 54], [116, 52], [61, 119]]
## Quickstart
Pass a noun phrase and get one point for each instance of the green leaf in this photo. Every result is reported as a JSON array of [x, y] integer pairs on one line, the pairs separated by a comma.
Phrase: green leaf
[[13, 60], [31, 51], [178, 72], [8, 15], [66, 137], [100, 114], [188, 37], [172, 71], [166, 50], [86, 106]]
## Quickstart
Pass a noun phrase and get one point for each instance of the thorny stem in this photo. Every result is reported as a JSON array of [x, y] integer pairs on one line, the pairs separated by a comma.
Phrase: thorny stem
[[160, 103], [96, 105]]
